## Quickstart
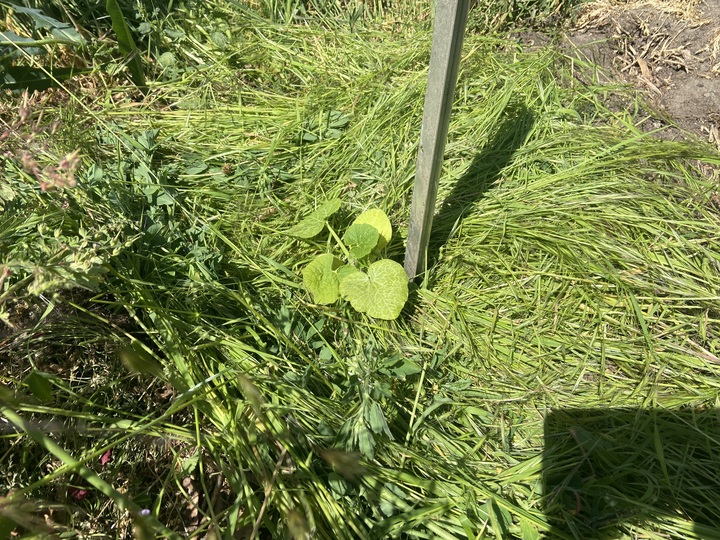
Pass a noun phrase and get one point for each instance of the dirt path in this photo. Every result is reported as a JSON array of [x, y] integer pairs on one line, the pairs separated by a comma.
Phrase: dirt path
[[668, 48]]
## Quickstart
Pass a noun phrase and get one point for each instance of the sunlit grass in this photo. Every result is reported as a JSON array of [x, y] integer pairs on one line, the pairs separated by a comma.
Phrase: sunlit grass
[[572, 266]]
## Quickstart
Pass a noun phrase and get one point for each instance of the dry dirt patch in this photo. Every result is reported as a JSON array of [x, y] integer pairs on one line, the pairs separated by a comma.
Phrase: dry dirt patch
[[668, 48]]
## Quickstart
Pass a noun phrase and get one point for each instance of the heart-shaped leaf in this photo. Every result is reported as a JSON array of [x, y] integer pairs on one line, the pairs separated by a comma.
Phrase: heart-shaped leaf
[[378, 219], [321, 279], [381, 293], [361, 239], [312, 224]]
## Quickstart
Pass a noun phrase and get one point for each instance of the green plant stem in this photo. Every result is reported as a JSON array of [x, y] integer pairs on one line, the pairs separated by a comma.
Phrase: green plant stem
[[411, 429], [339, 241]]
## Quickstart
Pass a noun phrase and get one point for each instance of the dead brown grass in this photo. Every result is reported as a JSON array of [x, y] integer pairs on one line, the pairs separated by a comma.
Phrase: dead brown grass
[[597, 13]]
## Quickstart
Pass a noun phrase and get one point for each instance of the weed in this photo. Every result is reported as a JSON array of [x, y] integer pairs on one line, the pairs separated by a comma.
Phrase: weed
[[382, 290], [156, 313], [45, 33], [30, 144]]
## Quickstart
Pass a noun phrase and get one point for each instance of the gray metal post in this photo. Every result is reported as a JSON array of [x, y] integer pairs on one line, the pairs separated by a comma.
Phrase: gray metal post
[[448, 32]]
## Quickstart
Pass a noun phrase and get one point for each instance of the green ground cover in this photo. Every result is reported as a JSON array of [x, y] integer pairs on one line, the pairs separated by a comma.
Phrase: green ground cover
[[166, 374]]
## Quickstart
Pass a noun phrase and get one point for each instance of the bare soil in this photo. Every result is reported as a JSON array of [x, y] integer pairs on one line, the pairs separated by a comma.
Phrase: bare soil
[[669, 49]]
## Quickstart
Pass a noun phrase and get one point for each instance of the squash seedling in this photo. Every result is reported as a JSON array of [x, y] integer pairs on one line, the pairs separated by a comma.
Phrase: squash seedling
[[374, 286]]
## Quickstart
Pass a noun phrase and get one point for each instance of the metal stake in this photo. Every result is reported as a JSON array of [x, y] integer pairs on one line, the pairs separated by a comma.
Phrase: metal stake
[[448, 33]]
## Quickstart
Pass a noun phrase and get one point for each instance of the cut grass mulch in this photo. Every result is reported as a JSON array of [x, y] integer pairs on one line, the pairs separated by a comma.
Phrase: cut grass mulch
[[554, 373]]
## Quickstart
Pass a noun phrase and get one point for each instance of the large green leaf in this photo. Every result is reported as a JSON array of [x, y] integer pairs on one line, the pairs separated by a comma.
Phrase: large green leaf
[[378, 219], [62, 32], [126, 42], [361, 239], [381, 293], [311, 225], [321, 279]]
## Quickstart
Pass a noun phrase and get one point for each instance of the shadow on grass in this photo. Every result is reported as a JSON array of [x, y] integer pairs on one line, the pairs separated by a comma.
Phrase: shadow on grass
[[482, 173], [606, 470]]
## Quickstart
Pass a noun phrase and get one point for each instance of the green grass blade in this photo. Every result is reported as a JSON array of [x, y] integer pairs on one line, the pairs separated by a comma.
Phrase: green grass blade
[[126, 43]]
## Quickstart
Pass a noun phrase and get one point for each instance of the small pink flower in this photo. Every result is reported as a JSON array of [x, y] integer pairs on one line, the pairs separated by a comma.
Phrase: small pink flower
[[79, 494], [106, 457]]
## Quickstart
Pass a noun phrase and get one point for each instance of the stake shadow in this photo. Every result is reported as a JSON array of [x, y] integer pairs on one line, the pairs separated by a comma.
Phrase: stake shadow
[[482, 173], [606, 470]]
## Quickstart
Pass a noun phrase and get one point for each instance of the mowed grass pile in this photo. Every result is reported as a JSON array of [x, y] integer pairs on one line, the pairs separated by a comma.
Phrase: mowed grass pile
[[165, 372]]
